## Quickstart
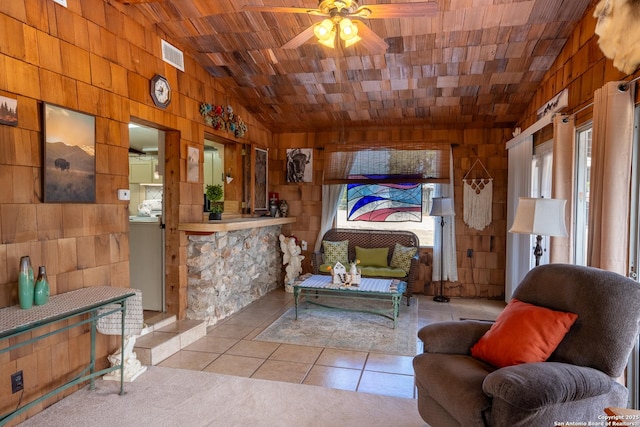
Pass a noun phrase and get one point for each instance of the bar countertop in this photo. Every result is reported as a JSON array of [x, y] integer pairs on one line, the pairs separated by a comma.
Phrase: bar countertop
[[232, 224]]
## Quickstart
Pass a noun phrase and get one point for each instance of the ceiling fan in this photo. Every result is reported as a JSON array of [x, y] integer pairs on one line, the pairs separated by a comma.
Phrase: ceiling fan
[[338, 21]]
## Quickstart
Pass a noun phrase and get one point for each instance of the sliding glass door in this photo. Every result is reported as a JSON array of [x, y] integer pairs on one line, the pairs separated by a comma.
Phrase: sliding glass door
[[633, 369]]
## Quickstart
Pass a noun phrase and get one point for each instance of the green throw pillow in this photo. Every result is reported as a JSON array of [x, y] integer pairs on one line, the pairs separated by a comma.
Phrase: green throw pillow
[[372, 257], [336, 252], [401, 257]]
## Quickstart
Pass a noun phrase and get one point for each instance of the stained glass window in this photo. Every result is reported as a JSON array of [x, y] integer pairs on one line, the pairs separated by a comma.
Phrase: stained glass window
[[384, 202]]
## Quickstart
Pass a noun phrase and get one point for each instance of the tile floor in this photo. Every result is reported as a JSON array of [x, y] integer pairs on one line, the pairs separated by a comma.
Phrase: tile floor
[[229, 348]]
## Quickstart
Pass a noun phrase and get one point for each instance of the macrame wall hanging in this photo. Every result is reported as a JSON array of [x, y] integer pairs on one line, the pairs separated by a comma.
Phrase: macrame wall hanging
[[477, 196]]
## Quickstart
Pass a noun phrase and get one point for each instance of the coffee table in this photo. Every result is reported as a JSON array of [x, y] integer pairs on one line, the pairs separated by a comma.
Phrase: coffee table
[[369, 289]]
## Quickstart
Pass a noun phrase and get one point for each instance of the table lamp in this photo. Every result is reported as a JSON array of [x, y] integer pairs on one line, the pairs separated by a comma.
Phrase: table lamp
[[542, 217], [442, 206]]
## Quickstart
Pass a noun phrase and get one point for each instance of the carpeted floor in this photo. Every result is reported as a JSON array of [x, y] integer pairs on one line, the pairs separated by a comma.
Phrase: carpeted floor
[[175, 397], [323, 327]]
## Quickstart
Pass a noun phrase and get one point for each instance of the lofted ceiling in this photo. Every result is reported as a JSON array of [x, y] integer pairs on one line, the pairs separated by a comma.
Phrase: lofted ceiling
[[474, 63]]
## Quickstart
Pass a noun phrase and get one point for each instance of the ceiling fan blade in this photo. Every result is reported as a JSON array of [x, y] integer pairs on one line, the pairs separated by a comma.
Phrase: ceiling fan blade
[[298, 40], [396, 10], [278, 9], [370, 40]]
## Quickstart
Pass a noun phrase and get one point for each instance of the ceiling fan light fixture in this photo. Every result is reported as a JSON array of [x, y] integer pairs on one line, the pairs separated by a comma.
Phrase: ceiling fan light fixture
[[352, 41], [329, 41], [326, 33], [323, 29], [348, 30]]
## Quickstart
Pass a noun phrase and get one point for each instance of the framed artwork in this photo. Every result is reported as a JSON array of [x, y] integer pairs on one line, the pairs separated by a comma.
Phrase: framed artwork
[[299, 165], [193, 164], [261, 200], [8, 111], [69, 156]]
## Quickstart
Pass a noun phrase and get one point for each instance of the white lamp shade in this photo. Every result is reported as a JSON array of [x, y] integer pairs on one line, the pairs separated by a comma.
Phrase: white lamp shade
[[543, 217], [442, 206]]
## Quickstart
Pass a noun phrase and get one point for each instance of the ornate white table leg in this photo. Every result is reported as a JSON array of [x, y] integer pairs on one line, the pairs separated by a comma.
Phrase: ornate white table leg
[[132, 366]]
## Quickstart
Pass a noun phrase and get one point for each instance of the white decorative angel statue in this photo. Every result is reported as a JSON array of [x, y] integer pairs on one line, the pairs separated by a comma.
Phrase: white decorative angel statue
[[292, 259]]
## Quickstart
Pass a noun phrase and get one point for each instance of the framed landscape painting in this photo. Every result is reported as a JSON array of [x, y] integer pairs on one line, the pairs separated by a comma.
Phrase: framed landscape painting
[[8, 111], [69, 156]]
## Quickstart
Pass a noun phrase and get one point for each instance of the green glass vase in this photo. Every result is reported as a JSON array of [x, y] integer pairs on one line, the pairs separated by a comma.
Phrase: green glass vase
[[41, 288], [26, 284]]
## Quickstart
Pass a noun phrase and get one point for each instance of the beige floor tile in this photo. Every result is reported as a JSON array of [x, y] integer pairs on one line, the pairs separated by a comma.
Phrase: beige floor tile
[[389, 363], [436, 317], [332, 377], [278, 370], [387, 384], [212, 344], [229, 331], [239, 366], [249, 318], [193, 360], [335, 368], [296, 353], [256, 331], [473, 313], [342, 358], [430, 305], [260, 349]]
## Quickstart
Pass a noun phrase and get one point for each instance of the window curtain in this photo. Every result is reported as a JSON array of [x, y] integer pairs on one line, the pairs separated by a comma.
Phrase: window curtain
[[448, 232], [519, 249], [564, 155], [331, 195], [609, 198]]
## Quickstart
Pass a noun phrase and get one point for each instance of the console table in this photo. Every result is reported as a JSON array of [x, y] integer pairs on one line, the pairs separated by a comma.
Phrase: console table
[[95, 303]]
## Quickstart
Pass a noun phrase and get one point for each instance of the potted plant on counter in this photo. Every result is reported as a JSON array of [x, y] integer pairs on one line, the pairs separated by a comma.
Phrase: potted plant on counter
[[214, 195]]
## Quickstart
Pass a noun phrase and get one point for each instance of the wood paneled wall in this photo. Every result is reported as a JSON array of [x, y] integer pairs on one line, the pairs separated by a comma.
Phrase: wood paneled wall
[[479, 276], [96, 57], [582, 68]]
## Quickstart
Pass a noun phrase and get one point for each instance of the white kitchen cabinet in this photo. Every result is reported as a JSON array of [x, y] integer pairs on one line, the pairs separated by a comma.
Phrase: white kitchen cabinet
[[140, 171]]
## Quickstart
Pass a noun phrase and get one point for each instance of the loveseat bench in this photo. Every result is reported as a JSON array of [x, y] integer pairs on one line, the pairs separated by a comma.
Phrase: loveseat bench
[[381, 254]]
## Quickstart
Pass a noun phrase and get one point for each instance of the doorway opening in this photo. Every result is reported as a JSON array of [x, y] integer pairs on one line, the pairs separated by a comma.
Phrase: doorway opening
[[146, 213]]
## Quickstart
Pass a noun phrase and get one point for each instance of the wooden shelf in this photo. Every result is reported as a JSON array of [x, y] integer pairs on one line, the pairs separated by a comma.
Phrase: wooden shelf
[[232, 224]]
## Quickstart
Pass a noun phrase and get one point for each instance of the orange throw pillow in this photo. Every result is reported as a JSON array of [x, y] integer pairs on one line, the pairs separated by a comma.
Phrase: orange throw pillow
[[523, 333]]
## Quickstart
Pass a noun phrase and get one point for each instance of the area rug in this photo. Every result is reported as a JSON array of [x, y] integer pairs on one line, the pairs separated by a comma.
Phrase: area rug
[[323, 327]]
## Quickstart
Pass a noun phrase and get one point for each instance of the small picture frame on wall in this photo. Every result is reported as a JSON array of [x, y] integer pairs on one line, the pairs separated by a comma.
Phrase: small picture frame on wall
[[261, 185], [193, 164], [8, 110], [69, 156], [299, 165]]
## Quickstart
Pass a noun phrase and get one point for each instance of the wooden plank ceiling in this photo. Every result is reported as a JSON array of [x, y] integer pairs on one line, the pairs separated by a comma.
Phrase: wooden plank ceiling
[[475, 63]]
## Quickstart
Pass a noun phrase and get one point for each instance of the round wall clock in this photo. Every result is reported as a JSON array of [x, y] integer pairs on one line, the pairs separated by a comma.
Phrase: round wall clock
[[160, 91]]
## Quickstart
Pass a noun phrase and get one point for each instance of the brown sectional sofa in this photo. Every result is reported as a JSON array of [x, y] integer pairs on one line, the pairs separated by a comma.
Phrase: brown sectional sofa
[[372, 239]]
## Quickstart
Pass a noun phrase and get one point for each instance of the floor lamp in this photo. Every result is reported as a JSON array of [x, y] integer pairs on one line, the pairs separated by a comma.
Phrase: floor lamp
[[442, 206], [542, 217]]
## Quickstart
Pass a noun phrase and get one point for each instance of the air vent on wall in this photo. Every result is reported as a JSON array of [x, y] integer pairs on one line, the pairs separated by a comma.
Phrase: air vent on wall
[[172, 55]]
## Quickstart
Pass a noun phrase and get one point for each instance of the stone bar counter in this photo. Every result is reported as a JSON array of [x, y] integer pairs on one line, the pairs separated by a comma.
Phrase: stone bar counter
[[231, 263]]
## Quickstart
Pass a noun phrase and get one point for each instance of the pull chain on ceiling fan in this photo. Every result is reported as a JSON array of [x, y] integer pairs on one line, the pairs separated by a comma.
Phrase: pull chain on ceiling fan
[[338, 21]]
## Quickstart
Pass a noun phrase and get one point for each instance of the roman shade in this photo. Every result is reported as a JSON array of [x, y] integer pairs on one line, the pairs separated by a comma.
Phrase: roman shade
[[387, 162]]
